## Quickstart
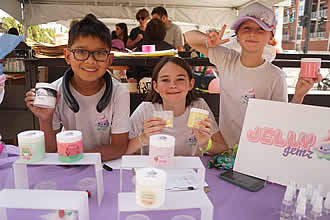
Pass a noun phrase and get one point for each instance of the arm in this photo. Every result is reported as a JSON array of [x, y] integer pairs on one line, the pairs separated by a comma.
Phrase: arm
[[197, 40], [114, 150], [132, 43], [204, 133]]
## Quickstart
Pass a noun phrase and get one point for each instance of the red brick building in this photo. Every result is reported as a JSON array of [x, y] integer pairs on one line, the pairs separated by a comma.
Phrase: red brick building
[[294, 34]]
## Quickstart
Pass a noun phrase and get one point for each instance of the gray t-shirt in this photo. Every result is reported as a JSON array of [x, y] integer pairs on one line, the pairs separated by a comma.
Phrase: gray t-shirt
[[239, 83], [96, 127], [174, 35], [185, 141]]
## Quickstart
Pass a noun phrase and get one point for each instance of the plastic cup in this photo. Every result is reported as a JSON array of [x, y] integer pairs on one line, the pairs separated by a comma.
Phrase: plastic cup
[[148, 48], [167, 116], [310, 67]]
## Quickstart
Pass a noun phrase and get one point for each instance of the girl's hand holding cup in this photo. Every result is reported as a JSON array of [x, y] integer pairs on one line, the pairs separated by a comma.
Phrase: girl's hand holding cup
[[152, 126]]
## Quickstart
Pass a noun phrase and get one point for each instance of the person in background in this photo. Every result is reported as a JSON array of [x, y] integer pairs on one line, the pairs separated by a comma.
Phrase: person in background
[[172, 85], [104, 127], [137, 34], [155, 34], [121, 32], [174, 34], [247, 74], [21, 46]]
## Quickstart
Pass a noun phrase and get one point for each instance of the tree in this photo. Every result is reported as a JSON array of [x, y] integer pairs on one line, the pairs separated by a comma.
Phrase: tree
[[35, 32]]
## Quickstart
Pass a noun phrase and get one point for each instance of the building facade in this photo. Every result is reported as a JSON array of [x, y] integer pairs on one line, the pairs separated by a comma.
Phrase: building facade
[[294, 34]]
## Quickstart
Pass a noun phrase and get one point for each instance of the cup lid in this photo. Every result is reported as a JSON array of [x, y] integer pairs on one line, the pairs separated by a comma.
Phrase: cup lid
[[31, 136], [69, 136], [46, 85], [311, 59]]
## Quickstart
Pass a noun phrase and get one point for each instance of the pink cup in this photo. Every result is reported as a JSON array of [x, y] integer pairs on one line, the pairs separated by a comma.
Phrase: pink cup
[[310, 67], [148, 48]]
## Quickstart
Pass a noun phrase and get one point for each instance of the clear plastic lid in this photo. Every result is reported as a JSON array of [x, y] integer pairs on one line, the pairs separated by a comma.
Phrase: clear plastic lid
[[46, 86], [162, 140], [311, 60], [150, 177], [69, 136], [31, 136], [198, 110]]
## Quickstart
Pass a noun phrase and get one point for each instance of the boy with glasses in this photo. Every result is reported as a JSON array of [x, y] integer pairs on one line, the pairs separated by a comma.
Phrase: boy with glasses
[[137, 34], [88, 99]]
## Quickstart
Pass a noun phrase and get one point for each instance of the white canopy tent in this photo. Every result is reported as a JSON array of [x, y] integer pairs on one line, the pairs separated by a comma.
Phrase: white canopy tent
[[212, 13]]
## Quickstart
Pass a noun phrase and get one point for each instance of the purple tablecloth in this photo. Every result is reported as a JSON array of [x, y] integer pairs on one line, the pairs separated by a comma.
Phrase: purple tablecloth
[[230, 202]]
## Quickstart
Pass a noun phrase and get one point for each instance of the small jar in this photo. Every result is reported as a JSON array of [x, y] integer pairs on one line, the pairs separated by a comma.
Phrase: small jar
[[31, 145], [150, 187], [161, 150], [69, 146], [45, 95]]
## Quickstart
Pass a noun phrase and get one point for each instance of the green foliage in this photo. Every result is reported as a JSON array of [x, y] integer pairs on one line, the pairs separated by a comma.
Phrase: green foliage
[[44, 35]]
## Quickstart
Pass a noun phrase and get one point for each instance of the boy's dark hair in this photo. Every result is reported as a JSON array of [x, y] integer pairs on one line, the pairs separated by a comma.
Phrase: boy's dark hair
[[90, 26], [155, 30], [13, 31], [142, 13], [153, 96], [160, 11]]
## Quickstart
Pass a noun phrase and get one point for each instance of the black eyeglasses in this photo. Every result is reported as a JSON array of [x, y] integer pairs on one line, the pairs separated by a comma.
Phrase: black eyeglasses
[[82, 55], [140, 18]]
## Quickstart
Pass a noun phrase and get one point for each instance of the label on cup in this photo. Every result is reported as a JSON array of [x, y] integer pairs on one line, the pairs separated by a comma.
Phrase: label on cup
[[310, 67], [196, 115]]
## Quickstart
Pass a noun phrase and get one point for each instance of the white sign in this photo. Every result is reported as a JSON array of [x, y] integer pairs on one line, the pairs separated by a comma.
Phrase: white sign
[[282, 142]]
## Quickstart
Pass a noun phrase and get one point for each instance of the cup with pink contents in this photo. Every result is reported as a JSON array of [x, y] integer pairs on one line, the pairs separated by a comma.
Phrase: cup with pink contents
[[148, 48], [310, 67]]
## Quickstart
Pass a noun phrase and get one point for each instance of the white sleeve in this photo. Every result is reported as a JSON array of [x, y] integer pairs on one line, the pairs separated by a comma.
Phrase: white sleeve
[[137, 120], [280, 91], [121, 110]]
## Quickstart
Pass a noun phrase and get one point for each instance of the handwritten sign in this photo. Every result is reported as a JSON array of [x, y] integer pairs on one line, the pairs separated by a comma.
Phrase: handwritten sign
[[282, 142]]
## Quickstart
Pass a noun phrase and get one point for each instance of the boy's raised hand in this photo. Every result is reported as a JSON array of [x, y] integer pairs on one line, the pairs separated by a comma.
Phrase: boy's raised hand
[[43, 114], [214, 38]]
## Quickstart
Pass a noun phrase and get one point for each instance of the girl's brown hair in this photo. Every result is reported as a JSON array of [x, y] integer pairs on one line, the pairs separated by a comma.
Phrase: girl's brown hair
[[154, 96]]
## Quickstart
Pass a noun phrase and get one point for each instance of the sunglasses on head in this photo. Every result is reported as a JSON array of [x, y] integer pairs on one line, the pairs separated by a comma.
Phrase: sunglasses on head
[[140, 18]]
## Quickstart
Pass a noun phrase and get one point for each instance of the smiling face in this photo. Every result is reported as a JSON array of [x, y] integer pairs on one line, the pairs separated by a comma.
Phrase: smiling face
[[173, 84], [89, 70], [252, 37]]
